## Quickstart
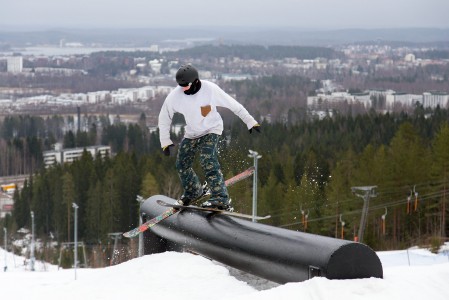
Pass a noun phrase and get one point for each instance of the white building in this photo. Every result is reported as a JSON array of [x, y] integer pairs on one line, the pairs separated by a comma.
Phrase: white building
[[176, 128], [380, 93], [93, 97], [14, 64], [410, 58], [363, 98], [6, 205], [402, 99], [146, 92], [153, 48], [328, 100], [119, 99], [235, 77], [59, 155], [97, 97], [434, 99], [155, 65], [164, 90], [130, 94]]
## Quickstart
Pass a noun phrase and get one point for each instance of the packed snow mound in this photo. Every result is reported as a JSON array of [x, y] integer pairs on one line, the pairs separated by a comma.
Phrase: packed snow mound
[[411, 274]]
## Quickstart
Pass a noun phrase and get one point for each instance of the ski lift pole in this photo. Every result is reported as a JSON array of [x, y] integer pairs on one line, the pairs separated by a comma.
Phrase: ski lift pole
[[115, 236], [255, 156], [75, 230], [5, 237], [305, 220], [140, 199], [32, 258], [409, 198], [416, 198], [342, 228], [383, 221], [368, 192]]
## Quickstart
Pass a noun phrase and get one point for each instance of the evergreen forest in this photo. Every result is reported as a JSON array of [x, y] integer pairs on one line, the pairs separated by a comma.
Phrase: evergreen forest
[[306, 176]]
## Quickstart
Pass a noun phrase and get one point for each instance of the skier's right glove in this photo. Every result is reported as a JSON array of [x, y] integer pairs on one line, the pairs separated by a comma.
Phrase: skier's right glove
[[256, 128], [166, 149]]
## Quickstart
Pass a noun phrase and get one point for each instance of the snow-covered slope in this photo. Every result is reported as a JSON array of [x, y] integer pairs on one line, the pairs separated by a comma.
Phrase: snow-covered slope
[[413, 274]]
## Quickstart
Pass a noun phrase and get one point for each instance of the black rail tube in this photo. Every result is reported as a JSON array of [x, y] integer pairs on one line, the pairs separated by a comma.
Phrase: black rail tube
[[273, 253]]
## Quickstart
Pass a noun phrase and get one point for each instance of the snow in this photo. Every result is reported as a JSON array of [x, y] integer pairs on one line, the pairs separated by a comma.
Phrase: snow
[[409, 274]]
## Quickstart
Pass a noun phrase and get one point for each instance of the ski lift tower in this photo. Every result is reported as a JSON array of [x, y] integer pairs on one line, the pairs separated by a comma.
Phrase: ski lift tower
[[32, 258], [75, 233], [5, 240], [115, 236], [255, 156], [140, 199], [366, 193]]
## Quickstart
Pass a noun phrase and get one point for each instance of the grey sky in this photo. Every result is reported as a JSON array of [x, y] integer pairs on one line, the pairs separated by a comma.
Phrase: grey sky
[[328, 14]]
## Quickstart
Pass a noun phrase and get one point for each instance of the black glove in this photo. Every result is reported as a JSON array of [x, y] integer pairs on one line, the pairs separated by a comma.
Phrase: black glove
[[256, 128], [166, 149]]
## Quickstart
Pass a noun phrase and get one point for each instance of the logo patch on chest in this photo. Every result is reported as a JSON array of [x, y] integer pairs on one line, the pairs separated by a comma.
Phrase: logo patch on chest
[[205, 110]]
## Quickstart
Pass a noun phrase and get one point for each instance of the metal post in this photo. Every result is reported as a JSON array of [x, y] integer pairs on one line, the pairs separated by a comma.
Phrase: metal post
[[342, 228], [255, 156], [75, 231], [115, 236], [383, 221], [32, 258], [5, 237], [368, 193], [140, 199]]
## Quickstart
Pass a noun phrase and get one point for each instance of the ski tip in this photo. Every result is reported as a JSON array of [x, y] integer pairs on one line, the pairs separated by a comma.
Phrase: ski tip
[[129, 235]]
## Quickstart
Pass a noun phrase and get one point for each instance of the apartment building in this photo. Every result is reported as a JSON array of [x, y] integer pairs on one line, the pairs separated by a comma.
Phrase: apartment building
[[14, 64], [336, 98], [59, 155], [402, 100], [434, 99]]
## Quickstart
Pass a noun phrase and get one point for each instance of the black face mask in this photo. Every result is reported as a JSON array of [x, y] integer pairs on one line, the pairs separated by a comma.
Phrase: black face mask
[[194, 88]]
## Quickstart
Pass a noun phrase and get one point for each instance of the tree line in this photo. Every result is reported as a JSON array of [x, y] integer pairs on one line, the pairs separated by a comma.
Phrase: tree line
[[305, 178]]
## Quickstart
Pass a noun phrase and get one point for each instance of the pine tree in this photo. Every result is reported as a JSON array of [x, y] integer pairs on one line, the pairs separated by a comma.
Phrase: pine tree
[[68, 194], [94, 213], [409, 167], [339, 198], [149, 186], [58, 218], [270, 199], [22, 202], [310, 203], [440, 173]]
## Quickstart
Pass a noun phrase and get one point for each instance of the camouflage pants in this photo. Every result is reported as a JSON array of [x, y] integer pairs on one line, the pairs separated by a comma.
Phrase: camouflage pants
[[206, 146]]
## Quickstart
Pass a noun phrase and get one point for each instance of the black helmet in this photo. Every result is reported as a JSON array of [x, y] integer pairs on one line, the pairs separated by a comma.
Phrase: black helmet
[[186, 74]]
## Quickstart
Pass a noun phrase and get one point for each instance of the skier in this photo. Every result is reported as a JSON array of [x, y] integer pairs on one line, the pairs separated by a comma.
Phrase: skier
[[198, 100]]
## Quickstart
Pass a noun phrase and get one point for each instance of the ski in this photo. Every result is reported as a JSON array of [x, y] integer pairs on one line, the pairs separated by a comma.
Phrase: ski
[[245, 174], [150, 223], [213, 210]]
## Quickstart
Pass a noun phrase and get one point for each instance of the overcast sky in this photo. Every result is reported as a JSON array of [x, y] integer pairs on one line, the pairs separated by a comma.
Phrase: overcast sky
[[322, 14]]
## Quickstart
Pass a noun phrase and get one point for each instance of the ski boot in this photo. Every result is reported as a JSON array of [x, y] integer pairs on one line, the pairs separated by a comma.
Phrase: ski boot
[[218, 204], [183, 200]]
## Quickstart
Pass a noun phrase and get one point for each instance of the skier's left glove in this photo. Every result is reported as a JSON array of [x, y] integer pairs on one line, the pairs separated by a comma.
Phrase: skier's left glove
[[166, 149], [256, 128]]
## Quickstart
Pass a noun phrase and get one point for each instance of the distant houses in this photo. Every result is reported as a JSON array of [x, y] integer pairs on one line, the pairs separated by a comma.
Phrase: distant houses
[[118, 97], [387, 101]]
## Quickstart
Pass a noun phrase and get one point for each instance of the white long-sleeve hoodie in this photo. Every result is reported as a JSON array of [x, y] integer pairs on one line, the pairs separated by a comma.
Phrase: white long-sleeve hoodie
[[200, 111]]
